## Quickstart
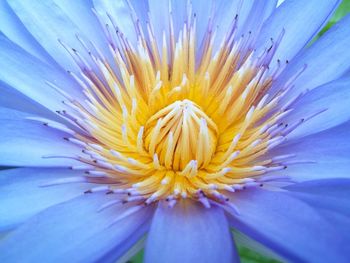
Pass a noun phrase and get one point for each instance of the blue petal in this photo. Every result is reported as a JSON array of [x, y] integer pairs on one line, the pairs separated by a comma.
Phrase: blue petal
[[75, 231], [13, 99], [30, 75], [81, 14], [326, 60], [21, 194], [122, 15], [329, 150], [334, 97], [48, 23], [329, 194], [159, 11], [292, 16], [13, 28], [257, 15], [335, 188], [189, 233], [251, 14], [289, 226], [25, 142]]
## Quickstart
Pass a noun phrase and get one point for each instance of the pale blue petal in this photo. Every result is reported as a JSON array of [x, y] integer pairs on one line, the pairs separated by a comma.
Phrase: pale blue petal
[[13, 99], [258, 13], [330, 197], [22, 194], [290, 227], [25, 142], [328, 152], [326, 60], [122, 16], [334, 97], [29, 75], [188, 233], [75, 231], [13, 28], [251, 15], [329, 194], [292, 16], [81, 14], [49, 24]]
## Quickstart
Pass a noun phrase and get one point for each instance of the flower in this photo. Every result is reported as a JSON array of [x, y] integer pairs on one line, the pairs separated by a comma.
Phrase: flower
[[177, 119]]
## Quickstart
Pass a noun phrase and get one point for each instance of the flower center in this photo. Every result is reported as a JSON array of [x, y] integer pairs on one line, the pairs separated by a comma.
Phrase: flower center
[[178, 120], [179, 134]]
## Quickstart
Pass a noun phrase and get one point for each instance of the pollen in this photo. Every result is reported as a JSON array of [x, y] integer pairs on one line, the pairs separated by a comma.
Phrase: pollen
[[173, 118]]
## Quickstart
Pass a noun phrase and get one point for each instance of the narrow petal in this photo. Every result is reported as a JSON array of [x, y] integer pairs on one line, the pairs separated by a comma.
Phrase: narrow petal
[[288, 226], [49, 24], [292, 16], [29, 75], [75, 231], [123, 16], [13, 28], [330, 194], [258, 13], [15, 100], [327, 155], [333, 98], [327, 59], [189, 233], [25, 142], [22, 194]]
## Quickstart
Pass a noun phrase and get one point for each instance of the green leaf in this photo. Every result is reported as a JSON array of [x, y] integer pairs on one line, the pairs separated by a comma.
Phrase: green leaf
[[343, 10], [249, 256]]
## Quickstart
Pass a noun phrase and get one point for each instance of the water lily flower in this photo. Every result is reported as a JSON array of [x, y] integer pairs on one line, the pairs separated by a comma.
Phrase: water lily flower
[[182, 127]]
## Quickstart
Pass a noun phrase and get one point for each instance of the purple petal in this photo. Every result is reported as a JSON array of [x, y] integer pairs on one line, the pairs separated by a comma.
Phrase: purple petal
[[330, 194], [327, 59], [189, 232], [122, 15], [292, 16], [13, 28], [29, 75], [49, 24], [333, 97], [75, 231], [290, 227], [328, 154], [27, 143], [22, 194]]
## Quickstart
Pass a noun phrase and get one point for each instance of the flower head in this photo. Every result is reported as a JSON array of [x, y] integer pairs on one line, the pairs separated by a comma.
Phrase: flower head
[[195, 117]]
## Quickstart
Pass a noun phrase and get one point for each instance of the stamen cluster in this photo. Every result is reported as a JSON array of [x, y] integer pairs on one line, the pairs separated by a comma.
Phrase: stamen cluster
[[177, 120]]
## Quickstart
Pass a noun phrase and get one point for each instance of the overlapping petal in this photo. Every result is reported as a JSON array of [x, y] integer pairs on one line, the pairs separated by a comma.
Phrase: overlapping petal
[[320, 156], [75, 231], [22, 192], [26, 143], [291, 17], [14, 29], [330, 194], [289, 226], [51, 27], [31, 76], [329, 101], [326, 60]]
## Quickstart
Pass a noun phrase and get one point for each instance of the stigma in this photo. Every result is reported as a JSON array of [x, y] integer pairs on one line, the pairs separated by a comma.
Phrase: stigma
[[178, 120]]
